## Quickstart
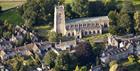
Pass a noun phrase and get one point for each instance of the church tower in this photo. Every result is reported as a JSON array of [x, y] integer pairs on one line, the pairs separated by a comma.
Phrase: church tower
[[59, 20]]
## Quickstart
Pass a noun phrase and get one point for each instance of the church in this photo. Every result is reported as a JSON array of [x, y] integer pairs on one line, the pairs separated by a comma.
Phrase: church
[[79, 27]]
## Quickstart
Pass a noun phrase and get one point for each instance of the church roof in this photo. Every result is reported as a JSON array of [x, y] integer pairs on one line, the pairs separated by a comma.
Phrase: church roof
[[88, 20]]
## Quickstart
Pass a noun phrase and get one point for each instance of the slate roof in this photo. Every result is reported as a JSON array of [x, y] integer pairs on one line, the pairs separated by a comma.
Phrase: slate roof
[[86, 20]]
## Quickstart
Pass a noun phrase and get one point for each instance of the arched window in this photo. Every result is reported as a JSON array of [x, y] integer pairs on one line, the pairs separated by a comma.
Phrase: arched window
[[93, 32], [68, 34], [98, 31], [82, 33], [72, 33], [85, 32], [105, 25], [89, 32]]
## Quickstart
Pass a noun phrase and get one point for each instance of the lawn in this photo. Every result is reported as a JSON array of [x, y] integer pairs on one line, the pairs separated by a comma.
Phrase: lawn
[[43, 27], [12, 17], [42, 31], [136, 2], [10, 4], [93, 38]]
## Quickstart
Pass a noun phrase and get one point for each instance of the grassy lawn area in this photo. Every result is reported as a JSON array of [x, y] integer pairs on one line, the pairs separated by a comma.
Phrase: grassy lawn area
[[44, 27], [7, 5], [12, 17], [136, 2], [42, 30], [94, 38]]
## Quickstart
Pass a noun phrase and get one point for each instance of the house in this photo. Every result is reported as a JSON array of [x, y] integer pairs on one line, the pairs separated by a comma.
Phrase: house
[[5, 45], [21, 32], [2, 68], [116, 53], [19, 29], [31, 47], [2, 54], [120, 47], [10, 53], [66, 45], [44, 46], [137, 48], [96, 68], [13, 39], [24, 52]]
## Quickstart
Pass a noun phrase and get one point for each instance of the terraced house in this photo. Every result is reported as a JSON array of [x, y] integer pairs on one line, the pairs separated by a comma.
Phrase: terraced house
[[79, 27], [120, 48]]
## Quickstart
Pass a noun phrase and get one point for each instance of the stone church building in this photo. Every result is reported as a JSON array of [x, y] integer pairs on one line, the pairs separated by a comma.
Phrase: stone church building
[[79, 27]]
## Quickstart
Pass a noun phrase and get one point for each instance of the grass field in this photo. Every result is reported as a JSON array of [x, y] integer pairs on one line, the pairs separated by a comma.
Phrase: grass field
[[10, 4], [134, 1], [12, 17]]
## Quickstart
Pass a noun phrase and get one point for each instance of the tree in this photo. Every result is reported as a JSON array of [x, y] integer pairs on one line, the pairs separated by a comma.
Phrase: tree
[[113, 16], [124, 22], [110, 5], [69, 13], [30, 12], [37, 12], [83, 68], [128, 7], [84, 53], [49, 58], [52, 36], [80, 7], [63, 61], [131, 58], [61, 2], [1, 32], [96, 8], [113, 65], [16, 63], [113, 62], [137, 20], [113, 30], [77, 68], [0, 9], [6, 34], [106, 1]]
